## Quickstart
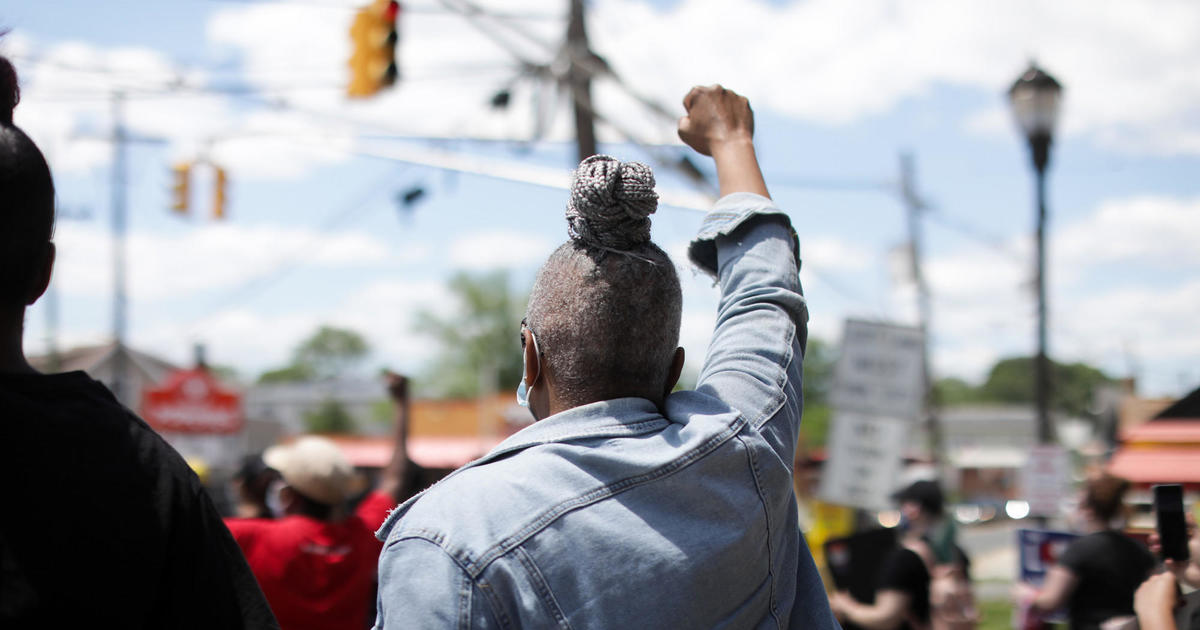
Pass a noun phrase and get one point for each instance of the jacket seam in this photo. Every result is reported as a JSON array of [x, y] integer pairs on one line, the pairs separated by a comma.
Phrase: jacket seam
[[780, 397], [755, 472], [549, 516], [543, 589]]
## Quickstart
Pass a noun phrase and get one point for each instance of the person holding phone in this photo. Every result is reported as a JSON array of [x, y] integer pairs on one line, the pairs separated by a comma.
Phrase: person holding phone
[[1158, 602]]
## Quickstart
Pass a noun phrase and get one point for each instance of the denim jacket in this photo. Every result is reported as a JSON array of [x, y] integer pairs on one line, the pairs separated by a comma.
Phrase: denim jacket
[[614, 515]]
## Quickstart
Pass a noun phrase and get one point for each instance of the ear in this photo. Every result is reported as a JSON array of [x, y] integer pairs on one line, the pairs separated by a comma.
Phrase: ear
[[41, 278], [533, 362], [676, 370], [287, 497]]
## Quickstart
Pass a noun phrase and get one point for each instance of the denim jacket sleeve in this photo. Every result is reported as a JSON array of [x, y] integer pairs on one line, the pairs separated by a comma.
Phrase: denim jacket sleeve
[[753, 362], [435, 592]]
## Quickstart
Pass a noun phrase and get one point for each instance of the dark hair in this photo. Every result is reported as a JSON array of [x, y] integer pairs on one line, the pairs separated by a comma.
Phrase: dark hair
[[606, 306], [26, 201], [312, 508], [1104, 495]]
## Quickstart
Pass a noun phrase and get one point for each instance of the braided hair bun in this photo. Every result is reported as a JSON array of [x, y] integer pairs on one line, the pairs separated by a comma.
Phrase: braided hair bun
[[611, 203]]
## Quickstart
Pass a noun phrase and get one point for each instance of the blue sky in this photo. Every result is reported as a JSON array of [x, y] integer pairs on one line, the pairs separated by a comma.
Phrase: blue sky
[[839, 89]]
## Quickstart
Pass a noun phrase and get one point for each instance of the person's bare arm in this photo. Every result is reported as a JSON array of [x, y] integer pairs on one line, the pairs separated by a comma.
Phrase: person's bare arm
[[887, 613], [395, 475], [720, 123], [1056, 590]]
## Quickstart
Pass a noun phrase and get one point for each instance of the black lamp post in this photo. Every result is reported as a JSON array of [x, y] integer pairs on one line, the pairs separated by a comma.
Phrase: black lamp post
[[1035, 98]]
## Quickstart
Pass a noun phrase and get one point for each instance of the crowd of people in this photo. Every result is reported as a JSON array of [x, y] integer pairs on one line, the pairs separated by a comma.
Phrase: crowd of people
[[627, 504]]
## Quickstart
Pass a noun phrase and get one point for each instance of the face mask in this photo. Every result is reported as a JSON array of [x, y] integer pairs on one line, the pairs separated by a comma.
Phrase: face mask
[[522, 389], [274, 503]]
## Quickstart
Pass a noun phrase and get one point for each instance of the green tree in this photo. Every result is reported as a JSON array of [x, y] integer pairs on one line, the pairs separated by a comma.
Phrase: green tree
[[481, 340], [1072, 384], [327, 353], [330, 417], [331, 351], [818, 380], [955, 391]]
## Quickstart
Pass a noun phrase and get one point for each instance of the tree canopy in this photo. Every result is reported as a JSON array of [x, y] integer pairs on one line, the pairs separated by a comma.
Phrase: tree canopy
[[329, 352], [480, 342], [1011, 381]]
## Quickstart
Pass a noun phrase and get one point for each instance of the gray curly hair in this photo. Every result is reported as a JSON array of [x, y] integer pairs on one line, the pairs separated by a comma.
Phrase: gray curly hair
[[606, 306]]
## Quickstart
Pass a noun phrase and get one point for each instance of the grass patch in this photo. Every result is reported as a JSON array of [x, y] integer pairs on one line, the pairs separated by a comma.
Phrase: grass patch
[[995, 615]]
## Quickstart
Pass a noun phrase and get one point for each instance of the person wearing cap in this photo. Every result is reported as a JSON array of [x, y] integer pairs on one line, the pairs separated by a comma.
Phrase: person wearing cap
[[628, 504], [103, 525], [903, 596], [315, 563]]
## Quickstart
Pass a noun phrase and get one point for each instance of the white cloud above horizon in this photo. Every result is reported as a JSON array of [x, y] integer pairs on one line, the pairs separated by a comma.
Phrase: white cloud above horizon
[[212, 256]]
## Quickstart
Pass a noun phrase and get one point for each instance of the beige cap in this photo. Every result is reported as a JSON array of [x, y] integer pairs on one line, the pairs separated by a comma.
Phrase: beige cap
[[315, 467]]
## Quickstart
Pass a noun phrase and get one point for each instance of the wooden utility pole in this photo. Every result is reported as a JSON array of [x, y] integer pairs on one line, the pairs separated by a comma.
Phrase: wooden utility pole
[[579, 79], [914, 205]]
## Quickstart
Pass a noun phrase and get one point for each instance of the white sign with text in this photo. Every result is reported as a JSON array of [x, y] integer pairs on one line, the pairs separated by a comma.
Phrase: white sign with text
[[1045, 479], [864, 460], [880, 370]]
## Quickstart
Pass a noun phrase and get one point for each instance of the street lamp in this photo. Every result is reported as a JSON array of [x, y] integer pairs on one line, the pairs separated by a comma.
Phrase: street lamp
[[1035, 98]]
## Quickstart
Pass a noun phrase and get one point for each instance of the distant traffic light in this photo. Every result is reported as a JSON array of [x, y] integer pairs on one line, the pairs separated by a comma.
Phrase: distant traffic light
[[373, 61], [181, 175], [219, 181]]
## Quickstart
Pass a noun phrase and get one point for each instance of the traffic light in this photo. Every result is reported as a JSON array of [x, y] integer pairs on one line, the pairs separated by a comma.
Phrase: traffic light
[[219, 182], [373, 61], [181, 175]]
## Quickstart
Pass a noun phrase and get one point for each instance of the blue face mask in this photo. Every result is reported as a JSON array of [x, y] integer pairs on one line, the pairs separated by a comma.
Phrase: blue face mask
[[522, 389]]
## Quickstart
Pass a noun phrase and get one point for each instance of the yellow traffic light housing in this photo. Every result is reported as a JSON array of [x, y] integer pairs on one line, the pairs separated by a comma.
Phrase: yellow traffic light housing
[[219, 182], [181, 175], [373, 60]]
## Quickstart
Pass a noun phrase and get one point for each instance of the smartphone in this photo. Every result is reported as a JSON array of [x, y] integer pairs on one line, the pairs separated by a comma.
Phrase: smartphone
[[1172, 529]]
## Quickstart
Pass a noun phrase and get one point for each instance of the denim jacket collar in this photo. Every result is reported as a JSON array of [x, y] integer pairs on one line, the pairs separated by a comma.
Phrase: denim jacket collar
[[618, 417]]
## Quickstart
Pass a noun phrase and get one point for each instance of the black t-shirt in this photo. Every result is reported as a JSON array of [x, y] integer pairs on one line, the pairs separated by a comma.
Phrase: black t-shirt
[[903, 570], [1109, 567], [102, 523]]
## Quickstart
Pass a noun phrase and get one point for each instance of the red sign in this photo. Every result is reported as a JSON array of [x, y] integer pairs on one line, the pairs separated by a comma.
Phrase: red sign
[[192, 401]]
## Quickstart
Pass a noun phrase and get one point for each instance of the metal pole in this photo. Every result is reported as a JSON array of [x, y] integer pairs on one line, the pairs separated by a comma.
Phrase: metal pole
[[119, 365], [1042, 367], [579, 79], [914, 205]]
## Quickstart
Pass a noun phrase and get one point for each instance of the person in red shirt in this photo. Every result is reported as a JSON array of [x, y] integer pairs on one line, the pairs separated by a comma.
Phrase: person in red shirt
[[316, 564]]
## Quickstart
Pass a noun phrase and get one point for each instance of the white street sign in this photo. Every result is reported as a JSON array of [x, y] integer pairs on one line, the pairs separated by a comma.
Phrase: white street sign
[[1045, 479]]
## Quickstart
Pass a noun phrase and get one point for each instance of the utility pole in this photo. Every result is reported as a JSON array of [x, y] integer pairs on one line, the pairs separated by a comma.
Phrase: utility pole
[[579, 79], [914, 205], [119, 138], [120, 364]]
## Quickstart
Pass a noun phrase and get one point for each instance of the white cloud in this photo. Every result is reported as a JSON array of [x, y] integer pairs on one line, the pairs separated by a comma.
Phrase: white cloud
[[1147, 230], [383, 312], [499, 250], [984, 305], [833, 254], [1127, 70], [208, 257]]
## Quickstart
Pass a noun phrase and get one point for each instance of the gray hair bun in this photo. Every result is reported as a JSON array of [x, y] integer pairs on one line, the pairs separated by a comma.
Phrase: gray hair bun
[[611, 203]]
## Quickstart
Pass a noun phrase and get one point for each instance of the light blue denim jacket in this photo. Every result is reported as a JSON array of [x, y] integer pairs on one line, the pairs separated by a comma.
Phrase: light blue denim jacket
[[611, 515]]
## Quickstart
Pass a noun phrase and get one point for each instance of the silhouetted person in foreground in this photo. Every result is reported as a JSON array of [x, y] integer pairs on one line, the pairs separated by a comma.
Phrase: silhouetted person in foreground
[[103, 524], [626, 505]]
